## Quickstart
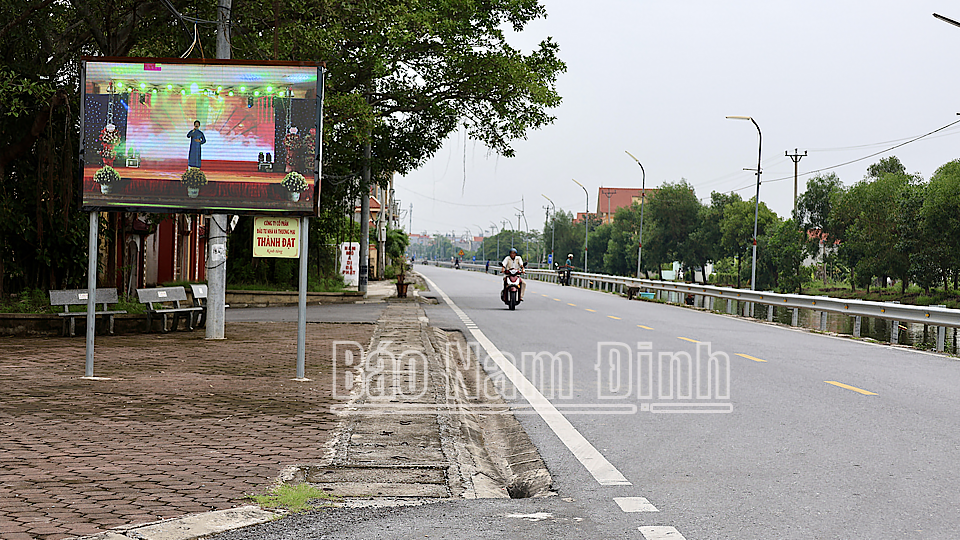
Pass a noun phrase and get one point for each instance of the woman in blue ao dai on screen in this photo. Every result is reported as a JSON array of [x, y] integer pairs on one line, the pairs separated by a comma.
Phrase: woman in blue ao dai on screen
[[196, 139]]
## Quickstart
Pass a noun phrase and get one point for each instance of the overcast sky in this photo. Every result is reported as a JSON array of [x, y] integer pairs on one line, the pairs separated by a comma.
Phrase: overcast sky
[[841, 79]]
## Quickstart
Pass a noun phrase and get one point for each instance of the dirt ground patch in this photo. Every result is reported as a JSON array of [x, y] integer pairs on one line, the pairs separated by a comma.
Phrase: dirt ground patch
[[183, 425]]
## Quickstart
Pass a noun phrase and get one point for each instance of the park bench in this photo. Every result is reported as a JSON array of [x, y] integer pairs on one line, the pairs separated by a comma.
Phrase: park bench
[[157, 300], [77, 297], [199, 293]]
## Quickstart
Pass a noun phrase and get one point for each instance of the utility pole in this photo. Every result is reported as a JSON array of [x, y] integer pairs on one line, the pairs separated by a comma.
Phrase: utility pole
[[609, 193], [365, 215], [503, 225], [796, 156], [411, 217], [217, 235], [553, 230], [520, 227]]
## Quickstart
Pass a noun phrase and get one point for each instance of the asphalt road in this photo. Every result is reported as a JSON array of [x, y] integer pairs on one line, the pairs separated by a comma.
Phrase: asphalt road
[[797, 457], [823, 437]]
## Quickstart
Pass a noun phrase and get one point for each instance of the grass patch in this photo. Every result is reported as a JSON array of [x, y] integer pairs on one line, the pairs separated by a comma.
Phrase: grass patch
[[292, 498], [29, 301]]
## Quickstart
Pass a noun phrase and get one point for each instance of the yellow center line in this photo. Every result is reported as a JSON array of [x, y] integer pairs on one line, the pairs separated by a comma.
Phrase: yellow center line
[[688, 339], [545, 296], [854, 388], [644, 327], [591, 310], [612, 317], [569, 304], [557, 299], [748, 357]]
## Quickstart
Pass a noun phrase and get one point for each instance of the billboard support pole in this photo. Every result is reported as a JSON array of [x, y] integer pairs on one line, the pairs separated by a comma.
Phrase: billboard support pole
[[92, 287], [217, 241], [302, 301]]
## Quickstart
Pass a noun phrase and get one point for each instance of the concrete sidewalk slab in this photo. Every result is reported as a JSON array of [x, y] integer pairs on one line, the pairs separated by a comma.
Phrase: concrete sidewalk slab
[[182, 426], [190, 527]]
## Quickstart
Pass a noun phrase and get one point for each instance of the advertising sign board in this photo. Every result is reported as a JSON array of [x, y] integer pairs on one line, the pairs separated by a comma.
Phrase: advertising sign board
[[204, 136], [350, 262], [276, 237]]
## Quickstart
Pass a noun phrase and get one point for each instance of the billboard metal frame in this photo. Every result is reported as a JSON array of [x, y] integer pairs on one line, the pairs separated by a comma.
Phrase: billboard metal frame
[[174, 208]]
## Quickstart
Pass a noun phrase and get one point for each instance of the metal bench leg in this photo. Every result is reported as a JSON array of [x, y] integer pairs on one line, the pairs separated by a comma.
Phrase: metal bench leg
[[163, 323], [110, 323]]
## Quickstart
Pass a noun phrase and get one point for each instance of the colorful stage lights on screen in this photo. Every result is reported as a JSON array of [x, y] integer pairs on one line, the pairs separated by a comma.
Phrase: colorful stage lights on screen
[[196, 89]]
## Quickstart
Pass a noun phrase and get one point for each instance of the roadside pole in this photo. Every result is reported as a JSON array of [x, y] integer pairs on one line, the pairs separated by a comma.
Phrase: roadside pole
[[92, 288], [302, 301], [217, 233]]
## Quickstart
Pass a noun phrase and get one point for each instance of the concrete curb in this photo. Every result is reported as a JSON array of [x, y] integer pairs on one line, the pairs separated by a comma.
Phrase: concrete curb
[[189, 527]]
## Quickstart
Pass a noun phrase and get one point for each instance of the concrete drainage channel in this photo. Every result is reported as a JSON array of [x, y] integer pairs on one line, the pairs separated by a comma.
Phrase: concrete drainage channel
[[425, 424]]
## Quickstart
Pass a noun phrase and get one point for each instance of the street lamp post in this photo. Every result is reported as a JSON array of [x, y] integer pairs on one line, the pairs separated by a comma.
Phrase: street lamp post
[[586, 225], [494, 225], [643, 197], [756, 208], [553, 229], [482, 254]]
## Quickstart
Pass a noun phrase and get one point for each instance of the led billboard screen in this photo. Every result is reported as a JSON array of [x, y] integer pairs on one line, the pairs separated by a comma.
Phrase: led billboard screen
[[221, 137]]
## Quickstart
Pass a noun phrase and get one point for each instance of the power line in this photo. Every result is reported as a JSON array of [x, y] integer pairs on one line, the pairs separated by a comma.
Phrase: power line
[[861, 158], [457, 204]]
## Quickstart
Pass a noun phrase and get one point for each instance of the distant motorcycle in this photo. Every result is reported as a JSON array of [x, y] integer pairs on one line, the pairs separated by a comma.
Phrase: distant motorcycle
[[511, 292], [563, 276]]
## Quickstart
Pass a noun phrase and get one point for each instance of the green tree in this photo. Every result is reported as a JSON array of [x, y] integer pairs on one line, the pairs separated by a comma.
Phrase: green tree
[[403, 75], [941, 218], [916, 239], [565, 235], [675, 212], [784, 249], [870, 238], [736, 228]]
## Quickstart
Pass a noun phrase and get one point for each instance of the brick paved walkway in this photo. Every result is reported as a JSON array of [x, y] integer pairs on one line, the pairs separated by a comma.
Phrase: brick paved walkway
[[185, 425]]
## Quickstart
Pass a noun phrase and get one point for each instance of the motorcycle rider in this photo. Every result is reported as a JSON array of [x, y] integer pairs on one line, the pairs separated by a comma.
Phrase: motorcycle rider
[[511, 262]]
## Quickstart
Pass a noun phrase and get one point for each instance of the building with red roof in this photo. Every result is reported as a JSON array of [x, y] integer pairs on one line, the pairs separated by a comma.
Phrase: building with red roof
[[610, 199]]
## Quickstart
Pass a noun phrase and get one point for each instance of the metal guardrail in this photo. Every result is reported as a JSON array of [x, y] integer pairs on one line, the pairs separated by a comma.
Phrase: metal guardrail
[[938, 316]]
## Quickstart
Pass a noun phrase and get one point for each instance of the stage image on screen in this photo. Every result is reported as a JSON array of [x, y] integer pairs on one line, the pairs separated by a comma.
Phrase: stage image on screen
[[208, 137]]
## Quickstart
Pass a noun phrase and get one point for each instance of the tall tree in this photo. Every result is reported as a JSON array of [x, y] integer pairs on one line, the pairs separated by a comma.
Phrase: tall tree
[[675, 212], [737, 229], [941, 217]]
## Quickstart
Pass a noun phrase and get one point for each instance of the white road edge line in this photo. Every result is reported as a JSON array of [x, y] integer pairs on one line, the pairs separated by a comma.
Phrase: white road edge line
[[597, 465], [661, 533]]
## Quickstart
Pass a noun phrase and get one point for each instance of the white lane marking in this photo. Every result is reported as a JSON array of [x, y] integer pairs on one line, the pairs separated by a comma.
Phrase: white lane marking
[[597, 465], [661, 533], [536, 516], [635, 504]]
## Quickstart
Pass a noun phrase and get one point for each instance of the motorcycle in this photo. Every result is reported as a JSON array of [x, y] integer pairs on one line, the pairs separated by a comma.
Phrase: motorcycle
[[563, 276], [511, 292]]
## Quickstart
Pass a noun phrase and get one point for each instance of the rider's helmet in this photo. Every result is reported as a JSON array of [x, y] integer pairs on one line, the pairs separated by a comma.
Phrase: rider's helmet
[[513, 250]]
